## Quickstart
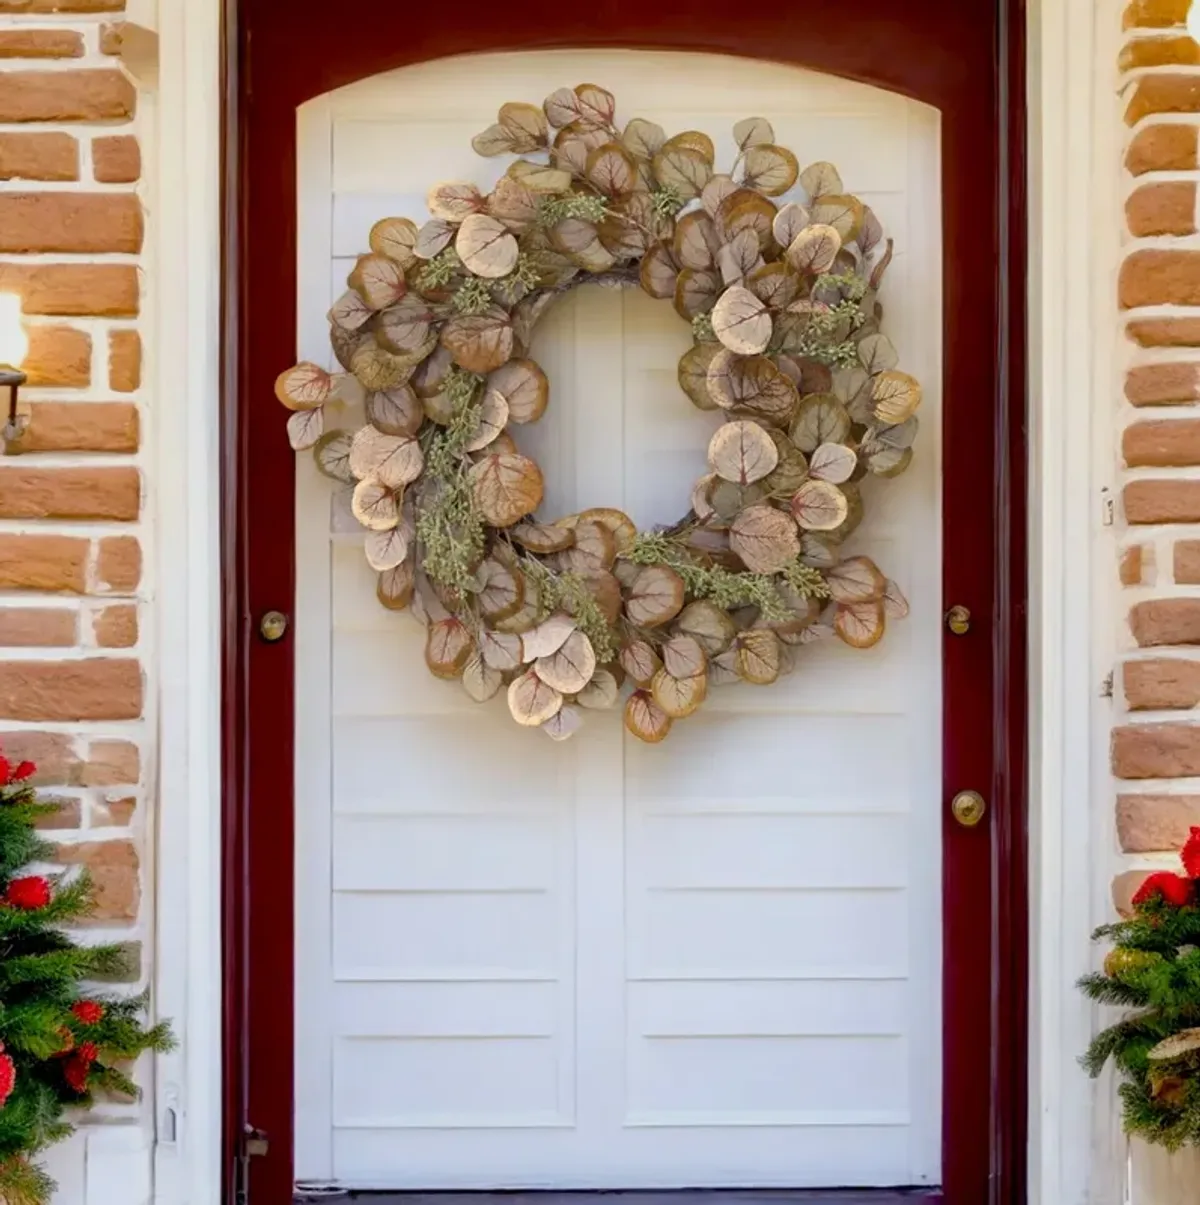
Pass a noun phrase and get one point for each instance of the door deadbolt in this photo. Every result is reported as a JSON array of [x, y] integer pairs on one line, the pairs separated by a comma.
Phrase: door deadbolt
[[272, 626], [969, 808]]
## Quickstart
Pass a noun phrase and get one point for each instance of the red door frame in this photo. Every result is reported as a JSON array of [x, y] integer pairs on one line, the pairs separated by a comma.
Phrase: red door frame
[[967, 59]]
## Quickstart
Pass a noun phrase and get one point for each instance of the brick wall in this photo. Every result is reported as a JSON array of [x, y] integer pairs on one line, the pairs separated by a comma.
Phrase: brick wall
[[1156, 739], [72, 587]]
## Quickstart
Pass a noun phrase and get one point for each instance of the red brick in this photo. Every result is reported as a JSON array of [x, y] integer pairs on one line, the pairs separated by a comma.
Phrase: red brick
[[116, 627], [102, 94], [1156, 751], [111, 764], [119, 565], [40, 44], [80, 222], [1152, 501], [69, 493], [37, 627], [116, 160], [41, 156], [43, 562], [1163, 94], [52, 752], [103, 290], [1163, 384], [1130, 570], [1155, 14], [1187, 562], [1158, 276], [124, 361], [80, 427], [1162, 442], [1164, 684], [1163, 621], [68, 815], [1168, 207], [113, 867], [1165, 332], [1157, 148], [59, 356], [115, 812], [1159, 52], [1154, 823], [96, 689]]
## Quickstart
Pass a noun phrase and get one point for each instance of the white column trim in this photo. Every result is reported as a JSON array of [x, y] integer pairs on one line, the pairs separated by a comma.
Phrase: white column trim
[[185, 191]]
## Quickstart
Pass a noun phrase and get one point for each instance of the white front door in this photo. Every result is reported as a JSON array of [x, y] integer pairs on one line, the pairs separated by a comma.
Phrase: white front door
[[714, 962]]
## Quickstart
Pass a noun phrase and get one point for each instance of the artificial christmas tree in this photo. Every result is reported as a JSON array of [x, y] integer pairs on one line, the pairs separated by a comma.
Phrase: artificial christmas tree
[[1154, 970], [59, 1044]]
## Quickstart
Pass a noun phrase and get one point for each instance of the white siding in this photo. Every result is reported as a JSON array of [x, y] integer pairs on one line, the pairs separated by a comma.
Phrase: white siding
[[715, 962]]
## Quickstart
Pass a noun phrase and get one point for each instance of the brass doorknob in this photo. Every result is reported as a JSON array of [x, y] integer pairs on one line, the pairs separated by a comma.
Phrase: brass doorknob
[[272, 626], [969, 808], [958, 620]]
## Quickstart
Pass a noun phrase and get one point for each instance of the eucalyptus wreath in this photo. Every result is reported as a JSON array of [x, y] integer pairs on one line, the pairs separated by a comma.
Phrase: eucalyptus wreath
[[775, 269]]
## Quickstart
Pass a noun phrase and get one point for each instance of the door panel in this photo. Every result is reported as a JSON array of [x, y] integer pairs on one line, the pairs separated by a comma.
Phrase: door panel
[[601, 964]]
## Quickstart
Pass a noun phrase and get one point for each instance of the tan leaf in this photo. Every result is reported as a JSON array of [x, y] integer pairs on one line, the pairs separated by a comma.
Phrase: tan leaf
[[789, 222], [454, 202], [429, 379], [513, 203], [820, 180], [693, 373], [531, 701], [404, 328], [350, 311], [695, 292], [396, 238], [395, 587], [448, 645], [855, 580], [479, 342], [682, 168], [304, 387], [678, 697], [433, 237], [877, 354], [596, 105], [701, 491], [605, 590], [375, 506], [569, 669], [639, 660], [843, 213], [765, 538], [623, 528], [395, 411], [305, 428], [728, 499], [594, 548], [538, 178], [741, 321], [890, 462], [501, 590], [506, 488], [524, 386], [742, 452], [659, 272], [378, 280], [715, 192], [548, 637], [493, 414], [814, 250], [860, 625], [696, 241], [896, 395], [821, 419], [792, 470], [833, 462], [601, 692], [526, 126], [819, 506], [480, 680], [895, 605], [645, 718], [655, 598], [643, 139], [745, 209], [543, 538], [770, 169], [486, 247], [386, 549], [683, 657], [758, 655], [708, 624], [565, 724], [739, 257], [753, 131], [500, 650], [774, 284], [332, 455], [610, 169], [392, 460], [750, 383], [495, 140]]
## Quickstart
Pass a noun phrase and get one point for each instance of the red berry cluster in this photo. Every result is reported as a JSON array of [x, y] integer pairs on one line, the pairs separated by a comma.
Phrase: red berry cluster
[[1177, 890]]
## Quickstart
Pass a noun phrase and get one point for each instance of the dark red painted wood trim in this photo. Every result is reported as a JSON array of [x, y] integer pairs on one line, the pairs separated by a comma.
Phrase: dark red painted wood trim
[[956, 56]]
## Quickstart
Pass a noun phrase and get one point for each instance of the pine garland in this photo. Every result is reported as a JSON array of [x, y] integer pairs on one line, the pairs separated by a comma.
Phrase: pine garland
[[1153, 970], [59, 1046]]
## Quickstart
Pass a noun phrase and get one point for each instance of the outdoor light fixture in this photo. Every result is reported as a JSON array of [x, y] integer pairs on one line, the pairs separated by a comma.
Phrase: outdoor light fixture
[[14, 345]]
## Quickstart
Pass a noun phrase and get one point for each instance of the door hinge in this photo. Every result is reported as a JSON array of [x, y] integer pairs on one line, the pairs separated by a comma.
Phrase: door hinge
[[254, 1145]]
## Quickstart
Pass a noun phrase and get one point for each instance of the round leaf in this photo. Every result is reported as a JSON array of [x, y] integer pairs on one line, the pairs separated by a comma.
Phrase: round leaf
[[392, 460], [819, 506], [506, 487], [655, 598], [770, 169], [765, 538], [304, 387], [742, 452], [570, 668], [645, 718], [531, 701], [833, 462], [448, 645], [479, 342], [742, 322], [486, 247]]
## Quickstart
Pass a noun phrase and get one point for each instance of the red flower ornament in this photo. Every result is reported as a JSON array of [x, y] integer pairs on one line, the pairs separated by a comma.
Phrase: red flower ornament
[[33, 891], [1190, 854], [8, 1076], [89, 1052], [76, 1071], [1174, 889], [88, 1011], [24, 770]]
